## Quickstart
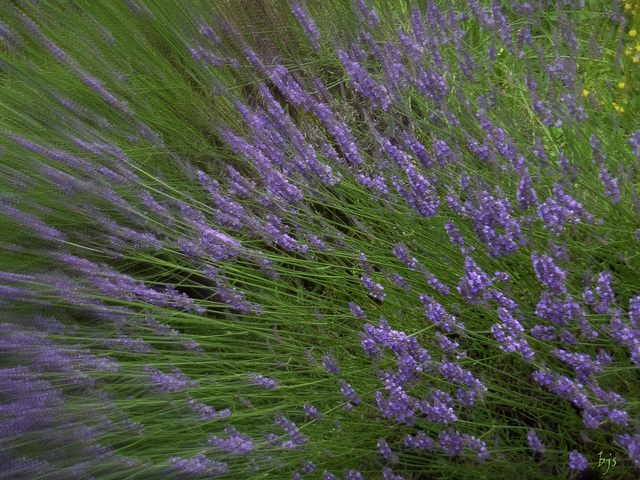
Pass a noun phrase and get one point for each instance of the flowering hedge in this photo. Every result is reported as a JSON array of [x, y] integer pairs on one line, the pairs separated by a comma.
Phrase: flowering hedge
[[348, 239]]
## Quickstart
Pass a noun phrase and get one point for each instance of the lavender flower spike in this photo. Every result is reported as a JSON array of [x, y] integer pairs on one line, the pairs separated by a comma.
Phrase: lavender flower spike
[[310, 28], [549, 274], [265, 382]]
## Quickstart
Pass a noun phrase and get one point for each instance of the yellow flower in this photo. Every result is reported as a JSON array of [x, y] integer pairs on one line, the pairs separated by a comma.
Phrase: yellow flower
[[633, 33], [638, 48], [621, 110], [636, 59], [585, 93], [608, 29], [602, 103], [628, 6], [617, 108], [621, 85], [627, 52]]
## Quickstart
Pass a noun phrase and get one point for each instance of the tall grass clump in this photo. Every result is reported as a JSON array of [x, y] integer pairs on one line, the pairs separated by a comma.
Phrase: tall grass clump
[[368, 239]]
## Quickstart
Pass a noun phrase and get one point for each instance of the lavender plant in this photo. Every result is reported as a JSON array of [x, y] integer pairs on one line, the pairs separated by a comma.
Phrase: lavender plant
[[334, 240]]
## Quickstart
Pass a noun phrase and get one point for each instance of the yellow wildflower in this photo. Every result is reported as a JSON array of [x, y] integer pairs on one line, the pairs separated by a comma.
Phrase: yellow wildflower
[[638, 48], [602, 103], [636, 59], [628, 6], [633, 33], [627, 52], [621, 85], [585, 93]]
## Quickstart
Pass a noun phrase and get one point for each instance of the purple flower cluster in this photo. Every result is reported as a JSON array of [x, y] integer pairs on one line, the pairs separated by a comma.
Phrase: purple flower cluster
[[377, 94], [419, 440], [399, 406], [436, 284], [610, 184], [604, 291], [312, 412], [581, 363], [513, 339], [268, 383], [401, 251], [367, 13], [349, 392], [236, 443], [331, 363], [632, 444], [549, 274], [412, 359], [200, 465], [296, 438], [440, 409], [527, 197], [309, 26], [577, 461], [490, 214], [561, 209], [474, 283], [206, 411], [535, 443], [437, 314], [452, 442], [169, 382], [375, 289], [386, 452]]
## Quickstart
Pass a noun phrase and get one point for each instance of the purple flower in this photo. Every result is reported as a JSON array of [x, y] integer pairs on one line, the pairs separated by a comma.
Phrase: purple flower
[[329, 476], [526, 194], [307, 23], [549, 274], [389, 475], [362, 83], [611, 185], [200, 465], [577, 461], [454, 233], [357, 311], [545, 333], [308, 466], [420, 440], [236, 443], [351, 474], [375, 289], [366, 12], [265, 382], [349, 392], [386, 451], [331, 363], [297, 438], [474, 282], [634, 312], [452, 442], [169, 382], [313, 412], [632, 444], [536, 445], [437, 314], [402, 252], [605, 292]]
